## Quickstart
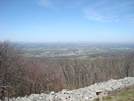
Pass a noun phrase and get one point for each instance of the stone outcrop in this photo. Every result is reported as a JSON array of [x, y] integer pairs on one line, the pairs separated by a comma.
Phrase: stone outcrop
[[82, 94]]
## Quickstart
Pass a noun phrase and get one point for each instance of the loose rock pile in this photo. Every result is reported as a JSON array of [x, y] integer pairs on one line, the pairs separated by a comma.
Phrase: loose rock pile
[[82, 94]]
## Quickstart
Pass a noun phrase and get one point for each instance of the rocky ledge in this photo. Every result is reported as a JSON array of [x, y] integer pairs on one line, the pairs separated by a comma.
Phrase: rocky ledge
[[82, 94]]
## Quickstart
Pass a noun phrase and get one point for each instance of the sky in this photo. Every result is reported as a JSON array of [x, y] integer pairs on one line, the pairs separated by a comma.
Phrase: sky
[[67, 20]]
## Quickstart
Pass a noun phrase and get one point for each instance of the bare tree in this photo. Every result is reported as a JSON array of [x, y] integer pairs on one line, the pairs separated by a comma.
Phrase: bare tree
[[129, 65], [10, 64]]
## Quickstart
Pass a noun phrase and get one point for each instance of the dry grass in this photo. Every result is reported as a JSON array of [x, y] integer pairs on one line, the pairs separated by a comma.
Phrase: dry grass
[[126, 94]]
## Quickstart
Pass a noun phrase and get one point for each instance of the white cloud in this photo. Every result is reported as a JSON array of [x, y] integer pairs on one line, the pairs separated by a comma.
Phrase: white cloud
[[117, 20], [107, 10], [46, 3], [93, 15], [80, 2]]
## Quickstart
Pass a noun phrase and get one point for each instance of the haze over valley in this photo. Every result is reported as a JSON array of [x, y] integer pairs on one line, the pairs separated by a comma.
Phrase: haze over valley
[[61, 50]]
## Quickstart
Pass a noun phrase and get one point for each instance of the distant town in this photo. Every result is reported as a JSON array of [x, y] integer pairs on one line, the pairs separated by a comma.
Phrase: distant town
[[73, 49]]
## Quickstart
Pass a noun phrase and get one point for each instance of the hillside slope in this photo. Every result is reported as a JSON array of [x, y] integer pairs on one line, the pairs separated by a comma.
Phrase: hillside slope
[[98, 90]]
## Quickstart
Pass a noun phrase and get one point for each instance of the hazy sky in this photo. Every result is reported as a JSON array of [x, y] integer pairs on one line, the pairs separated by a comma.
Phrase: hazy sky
[[67, 20]]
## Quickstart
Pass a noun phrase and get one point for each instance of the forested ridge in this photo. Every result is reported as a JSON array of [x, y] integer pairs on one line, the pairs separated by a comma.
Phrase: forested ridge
[[20, 75]]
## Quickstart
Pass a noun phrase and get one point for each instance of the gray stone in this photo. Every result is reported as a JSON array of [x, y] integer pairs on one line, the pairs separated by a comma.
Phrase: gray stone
[[81, 94]]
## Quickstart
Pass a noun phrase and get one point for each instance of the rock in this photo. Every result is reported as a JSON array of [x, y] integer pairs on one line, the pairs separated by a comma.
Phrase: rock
[[81, 94], [108, 89]]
